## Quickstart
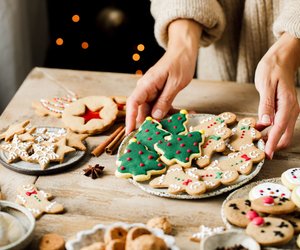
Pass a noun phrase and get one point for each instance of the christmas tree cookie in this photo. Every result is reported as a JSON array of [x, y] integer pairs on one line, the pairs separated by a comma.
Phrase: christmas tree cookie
[[181, 149], [151, 132], [176, 124], [139, 163]]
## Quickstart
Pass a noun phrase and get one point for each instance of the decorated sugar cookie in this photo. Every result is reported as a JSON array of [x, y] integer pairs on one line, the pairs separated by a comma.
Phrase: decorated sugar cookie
[[293, 218], [270, 231], [296, 196], [121, 104], [15, 129], [205, 231], [139, 163], [181, 149], [240, 161], [16, 149], [37, 201], [269, 189], [151, 132], [176, 124], [217, 125], [213, 178], [211, 144], [244, 135], [291, 178], [177, 181]]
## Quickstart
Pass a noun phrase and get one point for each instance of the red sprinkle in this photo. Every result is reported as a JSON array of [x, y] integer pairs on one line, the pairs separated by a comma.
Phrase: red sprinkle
[[178, 152], [189, 151], [150, 157], [129, 159], [182, 145], [157, 132], [195, 143], [187, 158], [169, 120], [149, 139], [122, 168], [190, 135], [140, 152], [251, 214], [258, 221], [146, 130], [160, 165], [179, 118], [128, 150], [175, 127], [169, 144], [179, 139], [142, 164]]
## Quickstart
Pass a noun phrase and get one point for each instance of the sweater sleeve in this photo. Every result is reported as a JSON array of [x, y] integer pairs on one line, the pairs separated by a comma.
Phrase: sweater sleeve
[[289, 19], [208, 13]]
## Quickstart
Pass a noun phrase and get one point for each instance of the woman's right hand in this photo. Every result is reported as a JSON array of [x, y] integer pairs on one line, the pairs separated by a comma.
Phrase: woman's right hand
[[156, 90]]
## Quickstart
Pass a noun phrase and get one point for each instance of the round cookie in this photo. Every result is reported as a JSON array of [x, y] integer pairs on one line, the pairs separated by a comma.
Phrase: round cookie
[[236, 211], [52, 241], [296, 196], [270, 205], [133, 234], [291, 178], [270, 231], [90, 115], [149, 242], [293, 218], [269, 189]]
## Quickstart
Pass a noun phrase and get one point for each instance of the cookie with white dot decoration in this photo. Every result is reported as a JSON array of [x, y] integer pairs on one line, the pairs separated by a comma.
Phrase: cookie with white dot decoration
[[269, 189], [291, 178]]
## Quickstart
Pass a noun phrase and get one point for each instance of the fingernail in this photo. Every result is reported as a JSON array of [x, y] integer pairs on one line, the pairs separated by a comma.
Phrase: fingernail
[[266, 119], [158, 114], [271, 155]]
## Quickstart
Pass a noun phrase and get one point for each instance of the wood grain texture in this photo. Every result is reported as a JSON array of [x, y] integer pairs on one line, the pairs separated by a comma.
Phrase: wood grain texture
[[109, 199]]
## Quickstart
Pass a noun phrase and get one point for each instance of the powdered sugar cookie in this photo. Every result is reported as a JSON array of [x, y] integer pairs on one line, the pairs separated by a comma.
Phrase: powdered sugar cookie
[[213, 178], [216, 125], [296, 196], [181, 149], [139, 163], [270, 231], [240, 161], [269, 189], [177, 181], [91, 115], [244, 135], [15, 129], [36, 201], [291, 178], [211, 144], [176, 124]]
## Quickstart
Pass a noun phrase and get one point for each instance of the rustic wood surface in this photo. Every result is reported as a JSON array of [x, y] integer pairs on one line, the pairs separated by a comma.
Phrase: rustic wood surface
[[109, 199]]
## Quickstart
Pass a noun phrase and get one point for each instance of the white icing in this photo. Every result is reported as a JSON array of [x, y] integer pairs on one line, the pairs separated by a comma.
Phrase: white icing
[[228, 145], [195, 185], [269, 189], [22, 199], [218, 145], [253, 132], [245, 146], [245, 122], [289, 177], [214, 163], [225, 116], [220, 132], [209, 183], [245, 165], [234, 155], [190, 172], [254, 154], [35, 211], [207, 231], [161, 179], [208, 119], [28, 187], [227, 175], [49, 207], [174, 170], [203, 157], [175, 187]]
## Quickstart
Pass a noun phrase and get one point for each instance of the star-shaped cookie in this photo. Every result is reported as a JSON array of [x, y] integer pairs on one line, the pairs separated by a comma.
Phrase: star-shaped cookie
[[14, 130], [63, 149], [75, 140], [43, 154]]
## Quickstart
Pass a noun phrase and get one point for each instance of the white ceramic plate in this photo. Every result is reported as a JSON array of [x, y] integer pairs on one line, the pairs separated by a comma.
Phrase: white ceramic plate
[[194, 120], [244, 193], [88, 237], [34, 168]]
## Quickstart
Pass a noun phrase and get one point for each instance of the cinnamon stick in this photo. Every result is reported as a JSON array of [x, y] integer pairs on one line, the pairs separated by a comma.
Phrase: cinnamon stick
[[101, 147], [111, 147]]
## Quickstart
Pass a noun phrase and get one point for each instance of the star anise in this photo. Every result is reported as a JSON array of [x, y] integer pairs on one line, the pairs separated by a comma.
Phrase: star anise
[[93, 171]]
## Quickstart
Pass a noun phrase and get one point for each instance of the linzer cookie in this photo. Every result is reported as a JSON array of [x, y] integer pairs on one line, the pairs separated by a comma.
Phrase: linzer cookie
[[176, 124], [37, 201], [91, 115], [139, 163], [177, 181], [269, 189], [121, 104], [291, 178]]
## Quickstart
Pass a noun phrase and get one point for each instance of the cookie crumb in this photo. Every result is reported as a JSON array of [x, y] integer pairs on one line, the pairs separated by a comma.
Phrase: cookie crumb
[[162, 223]]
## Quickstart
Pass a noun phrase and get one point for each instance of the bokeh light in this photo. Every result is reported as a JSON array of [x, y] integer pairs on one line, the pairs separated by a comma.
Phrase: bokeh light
[[59, 41], [136, 57]]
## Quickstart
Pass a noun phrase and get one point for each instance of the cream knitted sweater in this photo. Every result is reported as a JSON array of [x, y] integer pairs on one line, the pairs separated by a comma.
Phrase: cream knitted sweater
[[236, 34]]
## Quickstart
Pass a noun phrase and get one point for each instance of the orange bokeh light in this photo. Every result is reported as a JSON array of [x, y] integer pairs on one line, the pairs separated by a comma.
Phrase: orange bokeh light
[[75, 18], [141, 47], [59, 41], [136, 57], [138, 72], [84, 45]]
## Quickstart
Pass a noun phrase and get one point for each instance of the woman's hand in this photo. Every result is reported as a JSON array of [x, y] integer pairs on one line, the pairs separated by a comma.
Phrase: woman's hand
[[156, 90], [275, 82]]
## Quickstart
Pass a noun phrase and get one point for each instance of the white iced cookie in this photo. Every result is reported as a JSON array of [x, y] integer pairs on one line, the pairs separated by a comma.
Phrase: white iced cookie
[[296, 196], [10, 229], [269, 189], [291, 178]]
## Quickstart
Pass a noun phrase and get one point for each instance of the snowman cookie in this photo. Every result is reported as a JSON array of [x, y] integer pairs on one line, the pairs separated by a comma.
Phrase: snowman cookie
[[269, 189], [291, 178]]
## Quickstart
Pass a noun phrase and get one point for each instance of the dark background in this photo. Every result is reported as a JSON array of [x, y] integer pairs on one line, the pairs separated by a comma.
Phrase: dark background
[[112, 29]]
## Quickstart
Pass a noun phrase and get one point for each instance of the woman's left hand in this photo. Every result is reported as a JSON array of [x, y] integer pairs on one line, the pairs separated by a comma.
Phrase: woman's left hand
[[275, 82]]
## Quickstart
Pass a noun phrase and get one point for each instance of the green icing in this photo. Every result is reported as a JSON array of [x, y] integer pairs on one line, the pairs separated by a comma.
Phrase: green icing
[[150, 133], [219, 175], [137, 160], [175, 124], [181, 147], [214, 137]]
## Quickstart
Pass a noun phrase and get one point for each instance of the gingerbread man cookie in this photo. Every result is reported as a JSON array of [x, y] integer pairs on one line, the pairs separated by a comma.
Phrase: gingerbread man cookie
[[240, 161], [90, 115], [291, 178], [176, 124], [269, 189], [244, 135], [181, 149], [36, 201], [177, 181], [139, 163], [213, 178], [216, 125], [211, 144]]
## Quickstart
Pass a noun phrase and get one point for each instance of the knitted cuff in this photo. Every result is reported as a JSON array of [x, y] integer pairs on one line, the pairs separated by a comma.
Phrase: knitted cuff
[[208, 13], [289, 19]]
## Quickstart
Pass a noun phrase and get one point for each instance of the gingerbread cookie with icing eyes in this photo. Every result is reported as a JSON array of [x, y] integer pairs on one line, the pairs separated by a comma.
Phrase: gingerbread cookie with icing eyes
[[211, 144], [273, 205], [244, 135], [216, 125], [177, 181], [269, 189], [269, 231], [291, 178], [90, 115], [37, 201], [240, 161], [176, 123], [213, 178], [139, 163]]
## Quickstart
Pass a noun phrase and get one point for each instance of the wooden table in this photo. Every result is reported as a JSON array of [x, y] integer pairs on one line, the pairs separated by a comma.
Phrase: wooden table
[[109, 199]]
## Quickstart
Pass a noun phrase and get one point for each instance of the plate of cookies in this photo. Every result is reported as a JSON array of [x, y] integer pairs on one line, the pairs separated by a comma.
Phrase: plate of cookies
[[267, 210], [40, 150], [191, 156], [122, 235]]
